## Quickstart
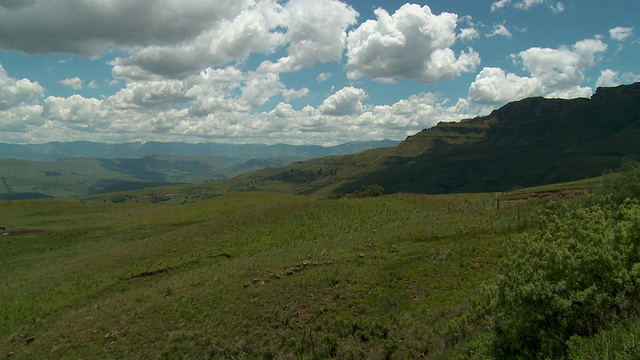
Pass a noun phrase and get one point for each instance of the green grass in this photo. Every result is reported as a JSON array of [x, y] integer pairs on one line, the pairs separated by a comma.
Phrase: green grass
[[307, 277], [622, 342], [80, 176], [61, 178]]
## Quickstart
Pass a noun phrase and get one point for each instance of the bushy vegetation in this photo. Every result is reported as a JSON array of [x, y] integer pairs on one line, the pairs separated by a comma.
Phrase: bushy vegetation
[[369, 191], [365, 191], [560, 289], [620, 184], [576, 275]]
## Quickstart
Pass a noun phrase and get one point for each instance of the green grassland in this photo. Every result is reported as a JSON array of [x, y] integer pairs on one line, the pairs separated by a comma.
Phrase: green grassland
[[62, 178], [81, 176], [246, 275]]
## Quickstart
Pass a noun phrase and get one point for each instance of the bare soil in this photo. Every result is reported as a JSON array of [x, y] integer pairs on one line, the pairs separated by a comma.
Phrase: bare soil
[[21, 232]]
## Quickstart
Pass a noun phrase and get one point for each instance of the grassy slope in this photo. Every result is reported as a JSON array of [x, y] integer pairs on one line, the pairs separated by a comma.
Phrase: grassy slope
[[353, 168], [75, 176], [61, 178], [306, 277]]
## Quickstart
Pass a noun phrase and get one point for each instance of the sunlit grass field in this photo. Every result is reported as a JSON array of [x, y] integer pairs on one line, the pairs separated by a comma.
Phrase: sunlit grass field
[[246, 275]]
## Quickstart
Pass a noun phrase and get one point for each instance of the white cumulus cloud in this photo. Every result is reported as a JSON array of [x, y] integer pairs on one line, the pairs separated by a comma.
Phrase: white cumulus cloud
[[553, 73], [74, 109], [75, 83], [494, 86], [19, 110], [563, 67], [301, 27], [620, 33], [413, 43], [291, 94], [500, 30], [20, 119], [496, 5], [259, 88], [230, 90], [316, 32], [556, 8], [571, 93], [346, 101], [283, 110], [322, 77], [150, 94], [527, 4], [468, 34], [609, 78], [14, 92]]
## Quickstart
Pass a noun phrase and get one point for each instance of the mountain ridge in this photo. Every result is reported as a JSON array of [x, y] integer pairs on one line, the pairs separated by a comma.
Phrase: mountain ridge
[[530, 142]]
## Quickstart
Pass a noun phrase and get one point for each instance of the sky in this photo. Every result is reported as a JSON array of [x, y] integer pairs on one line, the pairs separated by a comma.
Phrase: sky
[[321, 72]]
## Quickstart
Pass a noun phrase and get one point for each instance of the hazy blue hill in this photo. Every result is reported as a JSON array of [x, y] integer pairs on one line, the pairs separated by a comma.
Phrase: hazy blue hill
[[81, 167], [58, 150]]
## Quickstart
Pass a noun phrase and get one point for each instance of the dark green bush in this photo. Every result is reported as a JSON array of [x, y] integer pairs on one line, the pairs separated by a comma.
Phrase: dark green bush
[[620, 184], [369, 191], [575, 275]]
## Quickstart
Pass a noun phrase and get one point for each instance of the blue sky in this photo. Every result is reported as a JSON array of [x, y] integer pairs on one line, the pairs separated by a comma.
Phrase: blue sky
[[295, 71]]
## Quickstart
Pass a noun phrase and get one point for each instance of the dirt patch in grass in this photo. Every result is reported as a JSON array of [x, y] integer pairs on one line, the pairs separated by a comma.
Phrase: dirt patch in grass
[[21, 232]]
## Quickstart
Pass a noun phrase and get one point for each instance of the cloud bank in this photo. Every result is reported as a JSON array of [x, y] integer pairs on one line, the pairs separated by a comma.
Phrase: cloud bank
[[221, 70], [552, 73]]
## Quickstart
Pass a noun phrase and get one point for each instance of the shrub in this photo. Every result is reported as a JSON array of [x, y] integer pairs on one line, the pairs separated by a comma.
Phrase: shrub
[[574, 276], [620, 184], [369, 191], [620, 342], [159, 199]]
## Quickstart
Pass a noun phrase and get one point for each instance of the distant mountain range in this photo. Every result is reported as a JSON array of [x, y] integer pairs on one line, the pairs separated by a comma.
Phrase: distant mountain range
[[60, 150], [530, 142], [80, 168]]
